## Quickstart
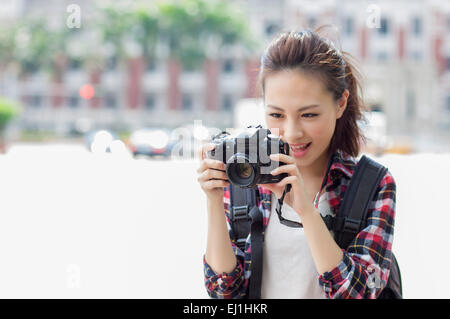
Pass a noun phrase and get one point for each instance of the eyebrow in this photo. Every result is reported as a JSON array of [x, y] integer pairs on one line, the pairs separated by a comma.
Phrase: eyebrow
[[299, 110]]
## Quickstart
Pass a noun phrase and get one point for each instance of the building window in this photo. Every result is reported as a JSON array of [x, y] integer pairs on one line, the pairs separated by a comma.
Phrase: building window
[[36, 100], [149, 102], [110, 101], [382, 56], [348, 26], [151, 65], [74, 101], [271, 29], [74, 64], [410, 105], [228, 66], [376, 108], [187, 102], [312, 21], [191, 67], [417, 26], [227, 102], [384, 26], [416, 55], [111, 63]]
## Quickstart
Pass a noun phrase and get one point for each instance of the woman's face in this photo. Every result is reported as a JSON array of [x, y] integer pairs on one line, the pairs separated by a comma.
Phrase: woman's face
[[300, 110]]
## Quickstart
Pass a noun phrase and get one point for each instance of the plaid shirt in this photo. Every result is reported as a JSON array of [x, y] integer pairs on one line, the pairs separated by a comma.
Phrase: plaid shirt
[[364, 270]]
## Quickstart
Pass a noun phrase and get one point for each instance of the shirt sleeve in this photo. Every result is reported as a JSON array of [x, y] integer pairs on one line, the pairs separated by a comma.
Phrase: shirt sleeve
[[226, 285], [364, 270]]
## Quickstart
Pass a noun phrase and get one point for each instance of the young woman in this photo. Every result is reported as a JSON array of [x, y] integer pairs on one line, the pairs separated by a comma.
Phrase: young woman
[[311, 97]]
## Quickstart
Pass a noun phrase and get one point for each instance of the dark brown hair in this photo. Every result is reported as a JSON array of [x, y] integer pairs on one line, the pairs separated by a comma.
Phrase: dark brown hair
[[309, 52]]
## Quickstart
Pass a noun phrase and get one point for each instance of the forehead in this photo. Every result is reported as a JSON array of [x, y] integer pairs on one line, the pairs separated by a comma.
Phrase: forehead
[[292, 88]]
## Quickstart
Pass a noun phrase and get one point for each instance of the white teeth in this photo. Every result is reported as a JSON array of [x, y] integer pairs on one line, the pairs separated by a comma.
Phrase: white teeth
[[300, 147]]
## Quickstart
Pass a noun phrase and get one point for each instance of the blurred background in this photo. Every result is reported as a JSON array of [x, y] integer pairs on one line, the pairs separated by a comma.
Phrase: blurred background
[[104, 103]]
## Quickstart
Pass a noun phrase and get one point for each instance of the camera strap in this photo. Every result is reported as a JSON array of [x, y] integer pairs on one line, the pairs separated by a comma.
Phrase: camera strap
[[245, 218], [288, 187]]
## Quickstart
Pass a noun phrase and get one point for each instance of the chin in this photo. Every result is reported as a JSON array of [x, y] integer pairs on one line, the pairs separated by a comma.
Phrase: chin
[[309, 159]]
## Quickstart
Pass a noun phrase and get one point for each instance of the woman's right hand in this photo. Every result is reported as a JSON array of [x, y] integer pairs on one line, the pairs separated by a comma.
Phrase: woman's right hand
[[212, 177]]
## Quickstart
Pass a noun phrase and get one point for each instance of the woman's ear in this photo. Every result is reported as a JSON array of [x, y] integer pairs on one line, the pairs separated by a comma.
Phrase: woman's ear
[[342, 104]]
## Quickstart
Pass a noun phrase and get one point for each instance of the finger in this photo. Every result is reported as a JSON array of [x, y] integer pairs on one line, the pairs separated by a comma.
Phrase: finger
[[215, 183], [210, 163], [199, 154], [212, 174], [282, 158], [290, 169], [205, 148], [288, 180], [202, 150]]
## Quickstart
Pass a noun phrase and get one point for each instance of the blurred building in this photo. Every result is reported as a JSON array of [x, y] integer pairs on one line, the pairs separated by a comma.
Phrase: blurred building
[[403, 48]]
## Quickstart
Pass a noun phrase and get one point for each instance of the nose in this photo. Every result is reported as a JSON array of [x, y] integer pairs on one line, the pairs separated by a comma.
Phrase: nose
[[292, 132]]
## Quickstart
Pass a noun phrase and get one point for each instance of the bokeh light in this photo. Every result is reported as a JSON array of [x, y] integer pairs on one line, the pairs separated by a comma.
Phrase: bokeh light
[[87, 91]]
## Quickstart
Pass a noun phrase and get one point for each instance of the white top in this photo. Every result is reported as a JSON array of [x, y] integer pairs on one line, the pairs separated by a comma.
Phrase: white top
[[288, 267]]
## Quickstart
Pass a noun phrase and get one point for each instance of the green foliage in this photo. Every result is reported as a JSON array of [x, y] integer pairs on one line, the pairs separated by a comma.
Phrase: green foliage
[[7, 36], [146, 28], [114, 24], [190, 29], [36, 46], [8, 110], [32, 46], [195, 28]]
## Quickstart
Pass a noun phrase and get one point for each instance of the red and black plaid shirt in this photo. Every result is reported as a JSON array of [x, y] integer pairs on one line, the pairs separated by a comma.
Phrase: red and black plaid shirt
[[364, 270]]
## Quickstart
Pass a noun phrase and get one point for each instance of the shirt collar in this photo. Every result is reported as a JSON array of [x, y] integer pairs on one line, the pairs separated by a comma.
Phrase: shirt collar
[[342, 165]]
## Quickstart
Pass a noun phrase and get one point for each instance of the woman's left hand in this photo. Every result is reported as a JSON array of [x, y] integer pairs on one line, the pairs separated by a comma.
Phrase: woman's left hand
[[300, 201]]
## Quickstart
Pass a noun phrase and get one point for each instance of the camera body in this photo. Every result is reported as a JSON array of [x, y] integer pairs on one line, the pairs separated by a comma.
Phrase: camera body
[[247, 156]]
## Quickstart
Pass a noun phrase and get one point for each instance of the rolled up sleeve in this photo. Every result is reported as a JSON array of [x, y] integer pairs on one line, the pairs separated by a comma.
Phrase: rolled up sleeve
[[226, 285], [364, 269]]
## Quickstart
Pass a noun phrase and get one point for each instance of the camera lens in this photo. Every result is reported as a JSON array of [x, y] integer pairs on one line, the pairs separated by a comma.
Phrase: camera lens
[[244, 170], [240, 171]]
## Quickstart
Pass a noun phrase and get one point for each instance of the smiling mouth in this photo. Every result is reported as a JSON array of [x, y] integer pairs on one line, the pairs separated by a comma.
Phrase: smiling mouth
[[296, 148]]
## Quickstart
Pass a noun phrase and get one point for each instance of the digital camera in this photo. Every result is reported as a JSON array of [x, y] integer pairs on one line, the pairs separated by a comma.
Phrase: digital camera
[[247, 156]]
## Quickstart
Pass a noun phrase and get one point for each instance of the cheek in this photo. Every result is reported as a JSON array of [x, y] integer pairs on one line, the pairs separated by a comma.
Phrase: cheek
[[322, 130]]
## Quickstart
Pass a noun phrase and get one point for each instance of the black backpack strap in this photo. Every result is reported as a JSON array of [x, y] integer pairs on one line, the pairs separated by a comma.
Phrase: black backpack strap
[[352, 215], [257, 252], [241, 202], [245, 216]]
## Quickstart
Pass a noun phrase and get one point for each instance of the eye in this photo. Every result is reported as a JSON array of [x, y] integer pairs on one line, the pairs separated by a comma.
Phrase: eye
[[275, 115], [309, 115]]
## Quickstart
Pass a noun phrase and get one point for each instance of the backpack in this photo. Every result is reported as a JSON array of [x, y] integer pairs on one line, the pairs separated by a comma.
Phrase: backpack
[[246, 217]]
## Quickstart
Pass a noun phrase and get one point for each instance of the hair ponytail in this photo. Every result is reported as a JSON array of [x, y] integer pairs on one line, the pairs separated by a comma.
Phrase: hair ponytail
[[348, 135]]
